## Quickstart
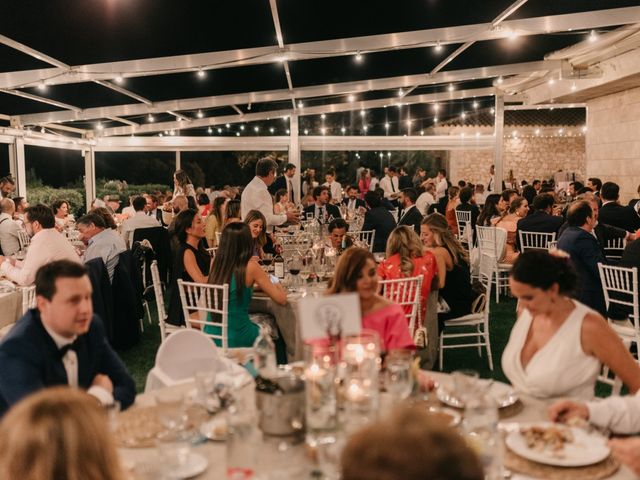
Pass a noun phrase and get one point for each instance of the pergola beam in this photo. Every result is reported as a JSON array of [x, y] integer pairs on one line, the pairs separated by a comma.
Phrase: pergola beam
[[280, 38], [321, 49], [40, 99], [334, 89]]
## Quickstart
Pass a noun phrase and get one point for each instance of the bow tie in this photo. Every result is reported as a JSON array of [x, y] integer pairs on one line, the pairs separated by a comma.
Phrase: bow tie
[[75, 346]]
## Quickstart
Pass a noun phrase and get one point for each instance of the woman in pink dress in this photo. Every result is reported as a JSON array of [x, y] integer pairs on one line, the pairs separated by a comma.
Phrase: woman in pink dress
[[517, 209], [356, 272], [450, 210], [364, 183], [407, 258]]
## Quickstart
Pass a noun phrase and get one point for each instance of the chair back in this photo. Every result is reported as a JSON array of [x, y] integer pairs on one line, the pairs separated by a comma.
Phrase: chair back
[[484, 276], [212, 251], [406, 293], [28, 298], [158, 237], [23, 239], [465, 228], [536, 240], [157, 290], [620, 287], [204, 306], [614, 248], [364, 236], [491, 241]]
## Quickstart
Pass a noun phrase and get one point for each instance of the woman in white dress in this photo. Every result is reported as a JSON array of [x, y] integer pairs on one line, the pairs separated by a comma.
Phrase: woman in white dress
[[557, 345], [182, 185]]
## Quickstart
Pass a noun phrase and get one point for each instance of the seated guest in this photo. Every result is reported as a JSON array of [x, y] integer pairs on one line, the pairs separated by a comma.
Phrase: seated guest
[[322, 210], [509, 223], [454, 277], [351, 201], [204, 204], [21, 205], [554, 330], [406, 257], [173, 207], [139, 220], [129, 211], [529, 193], [489, 211], [410, 215], [542, 219], [384, 201], [47, 245], [379, 219], [426, 198], [281, 202], [335, 189], [69, 431], [506, 197], [618, 313], [61, 212], [338, 238], [479, 196], [107, 217], [9, 228], [191, 262], [595, 185], [152, 208], [257, 224], [450, 209], [61, 342], [356, 272], [388, 449], [234, 266], [612, 213], [466, 205], [579, 242], [574, 187], [101, 242], [214, 222], [232, 212]]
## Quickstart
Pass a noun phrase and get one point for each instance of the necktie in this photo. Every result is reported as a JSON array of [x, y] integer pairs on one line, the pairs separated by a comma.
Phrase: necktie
[[75, 346], [290, 186], [393, 188]]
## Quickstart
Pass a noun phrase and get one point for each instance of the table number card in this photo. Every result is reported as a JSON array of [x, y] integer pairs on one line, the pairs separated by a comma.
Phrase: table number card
[[329, 316]]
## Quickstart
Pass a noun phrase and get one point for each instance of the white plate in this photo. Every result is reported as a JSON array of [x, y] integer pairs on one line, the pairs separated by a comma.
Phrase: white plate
[[195, 465], [215, 429], [456, 418], [503, 394], [586, 448]]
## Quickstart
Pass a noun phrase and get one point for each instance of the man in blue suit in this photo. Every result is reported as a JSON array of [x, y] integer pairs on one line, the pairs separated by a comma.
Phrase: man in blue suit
[[579, 241], [61, 342]]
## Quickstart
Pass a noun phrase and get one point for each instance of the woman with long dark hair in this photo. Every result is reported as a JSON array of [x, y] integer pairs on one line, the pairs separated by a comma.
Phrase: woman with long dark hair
[[489, 211], [214, 221], [234, 266], [232, 213], [182, 185]]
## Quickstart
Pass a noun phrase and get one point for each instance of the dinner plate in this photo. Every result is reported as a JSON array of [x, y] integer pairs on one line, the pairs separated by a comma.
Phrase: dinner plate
[[452, 417], [215, 429], [586, 448], [503, 394], [194, 465]]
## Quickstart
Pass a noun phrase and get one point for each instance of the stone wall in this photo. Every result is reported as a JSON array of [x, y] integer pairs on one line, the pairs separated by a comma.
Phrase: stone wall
[[613, 140], [527, 155]]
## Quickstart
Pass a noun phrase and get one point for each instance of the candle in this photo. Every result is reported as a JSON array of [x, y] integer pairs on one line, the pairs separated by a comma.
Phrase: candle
[[355, 393], [314, 373]]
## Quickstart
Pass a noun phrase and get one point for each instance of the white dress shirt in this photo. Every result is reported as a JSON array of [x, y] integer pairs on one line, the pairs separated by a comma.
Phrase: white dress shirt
[[255, 196], [619, 414], [374, 184], [336, 191], [425, 200], [70, 362], [139, 220], [46, 246], [389, 185], [490, 186], [9, 240], [441, 188], [351, 204]]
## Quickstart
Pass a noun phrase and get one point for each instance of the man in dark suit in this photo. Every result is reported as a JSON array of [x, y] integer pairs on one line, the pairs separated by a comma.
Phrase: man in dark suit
[[541, 220], [322, 209], [285, 182], [595, 184], [61, 342], [352, 201], [379, 219], [410, 215], [404, 180], [613, 213], [152, 208], [466, 194], [579, 242]]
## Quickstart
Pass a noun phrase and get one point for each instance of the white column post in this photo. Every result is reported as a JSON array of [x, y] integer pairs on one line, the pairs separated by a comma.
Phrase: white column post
[[178, 162], [89, 176], [17, 166], [499, 137], [294, 154]]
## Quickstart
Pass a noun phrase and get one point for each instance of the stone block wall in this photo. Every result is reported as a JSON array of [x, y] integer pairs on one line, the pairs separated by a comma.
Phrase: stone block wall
[[613, 140]]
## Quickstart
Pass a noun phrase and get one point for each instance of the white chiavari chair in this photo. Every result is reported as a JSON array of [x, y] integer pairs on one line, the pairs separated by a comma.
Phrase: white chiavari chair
[[364, 236], [491, 242], [614, 248], [536, 240], [406, 293], [165, 328]]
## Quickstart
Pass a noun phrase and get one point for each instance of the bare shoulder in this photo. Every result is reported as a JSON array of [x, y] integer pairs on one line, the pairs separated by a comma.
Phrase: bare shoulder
[[595, 329]]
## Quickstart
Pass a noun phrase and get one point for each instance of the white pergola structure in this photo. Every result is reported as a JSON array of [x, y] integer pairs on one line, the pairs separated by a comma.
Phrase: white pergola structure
[[556, 80]]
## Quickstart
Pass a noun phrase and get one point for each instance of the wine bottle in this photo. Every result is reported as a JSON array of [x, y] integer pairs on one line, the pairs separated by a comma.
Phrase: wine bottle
[[278, 263]]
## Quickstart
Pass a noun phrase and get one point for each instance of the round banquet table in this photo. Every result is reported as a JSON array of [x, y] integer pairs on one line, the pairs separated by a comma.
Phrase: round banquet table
[[10, 307], [279, 459]]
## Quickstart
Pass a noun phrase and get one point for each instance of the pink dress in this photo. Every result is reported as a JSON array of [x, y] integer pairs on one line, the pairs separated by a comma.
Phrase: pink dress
[[510, 253], [391, 325]]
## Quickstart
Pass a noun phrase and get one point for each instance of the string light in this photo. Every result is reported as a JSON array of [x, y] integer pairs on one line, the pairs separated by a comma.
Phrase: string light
[[438, 47], [436, 107], [537, 132], [450, 87], [151, 118], [513, 35], [475, 104], [300, 105], [323, 130], [201, 73], [493, 111], [323, 116], [219, 130], [463, 115], [365, 128], [306, 132], [386, 125], [99, 126], [209, 130], [241, 127], [288, 131], [574, 87], [200, 114], [409, 123], [500, 80], [421, 132], [362, 113], [435, 119], [42, 86], [343, 130], [271, 130], [256, 129], [400, 92], [584, 129], [593, 36], [358, 57], [351, 98], [237, 134], [551, 81], [119, 79], [227, 125]]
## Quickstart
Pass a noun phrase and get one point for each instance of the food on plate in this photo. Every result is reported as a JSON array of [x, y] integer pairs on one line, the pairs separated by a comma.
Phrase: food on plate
[[551, 439]]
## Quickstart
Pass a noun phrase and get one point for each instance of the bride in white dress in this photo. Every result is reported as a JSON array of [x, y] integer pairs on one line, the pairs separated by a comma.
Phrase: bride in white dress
[[558, 345]]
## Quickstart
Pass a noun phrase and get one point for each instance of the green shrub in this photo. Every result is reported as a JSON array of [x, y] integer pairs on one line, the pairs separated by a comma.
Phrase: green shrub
[[48, 195]]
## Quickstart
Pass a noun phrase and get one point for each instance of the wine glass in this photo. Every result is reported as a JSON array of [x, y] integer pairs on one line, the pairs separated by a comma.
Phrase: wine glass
[[267, 259], [295, 266]]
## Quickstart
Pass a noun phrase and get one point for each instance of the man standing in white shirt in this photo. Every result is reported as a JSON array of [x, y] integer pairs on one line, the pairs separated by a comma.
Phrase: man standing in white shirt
[[47, 245], [441, 184], [9, 228], [335, 189], [139, 220], [491, 186], [389, 184], [256, 195]]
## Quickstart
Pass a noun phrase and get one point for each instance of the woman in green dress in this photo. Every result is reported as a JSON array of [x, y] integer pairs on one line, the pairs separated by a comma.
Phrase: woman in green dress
[[235, 266]]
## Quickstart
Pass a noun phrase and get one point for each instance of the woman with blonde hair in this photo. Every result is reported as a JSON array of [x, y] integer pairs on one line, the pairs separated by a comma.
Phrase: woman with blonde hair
[[214, 221], [257, 225], [356, 272], [406, 257], [454, 278], [58, 434], [450, 210]]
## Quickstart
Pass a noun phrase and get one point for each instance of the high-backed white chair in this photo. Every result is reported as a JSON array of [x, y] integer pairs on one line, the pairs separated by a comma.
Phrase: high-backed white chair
[[614, 248], [536, 240], [474, 326], [165, 328], [205, 306], [465, 228], [365, 236], [28, 298], [23, 239], [491, 243], [406, 293]]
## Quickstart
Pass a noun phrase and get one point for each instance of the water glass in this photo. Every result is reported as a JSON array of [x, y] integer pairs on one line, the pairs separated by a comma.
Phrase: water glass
[[321, 362], [171, 410], [206, 387], [465, 383], [398, 377]]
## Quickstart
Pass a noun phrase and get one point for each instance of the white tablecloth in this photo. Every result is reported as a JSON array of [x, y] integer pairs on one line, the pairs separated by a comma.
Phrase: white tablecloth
[[10, 307]]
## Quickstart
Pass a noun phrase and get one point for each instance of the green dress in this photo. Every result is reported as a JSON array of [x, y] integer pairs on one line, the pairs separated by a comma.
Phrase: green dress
[[241, 331]]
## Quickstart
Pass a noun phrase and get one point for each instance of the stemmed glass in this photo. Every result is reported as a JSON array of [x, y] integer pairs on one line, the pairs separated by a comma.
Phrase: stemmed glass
[[295, 266], [267, 258]]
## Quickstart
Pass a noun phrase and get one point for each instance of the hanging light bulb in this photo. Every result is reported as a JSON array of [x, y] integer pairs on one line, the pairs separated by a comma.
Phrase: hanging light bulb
[[386, 125], [200, 114], [201, 73], [343, 130], [351, 98], [358, 57], [450, 87], [151, 118], [500, 80], [323, 116], [438, 47], [300, 105], [574, 87], [593, 36], [209, 130], [119, 79], [475, 104]]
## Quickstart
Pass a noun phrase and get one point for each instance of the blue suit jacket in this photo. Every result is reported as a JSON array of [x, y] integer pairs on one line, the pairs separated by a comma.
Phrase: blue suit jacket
[[585, 255], [30, 361]]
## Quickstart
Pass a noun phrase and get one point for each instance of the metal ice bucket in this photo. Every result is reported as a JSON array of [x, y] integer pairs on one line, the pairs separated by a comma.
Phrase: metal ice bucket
[[282, 412]]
